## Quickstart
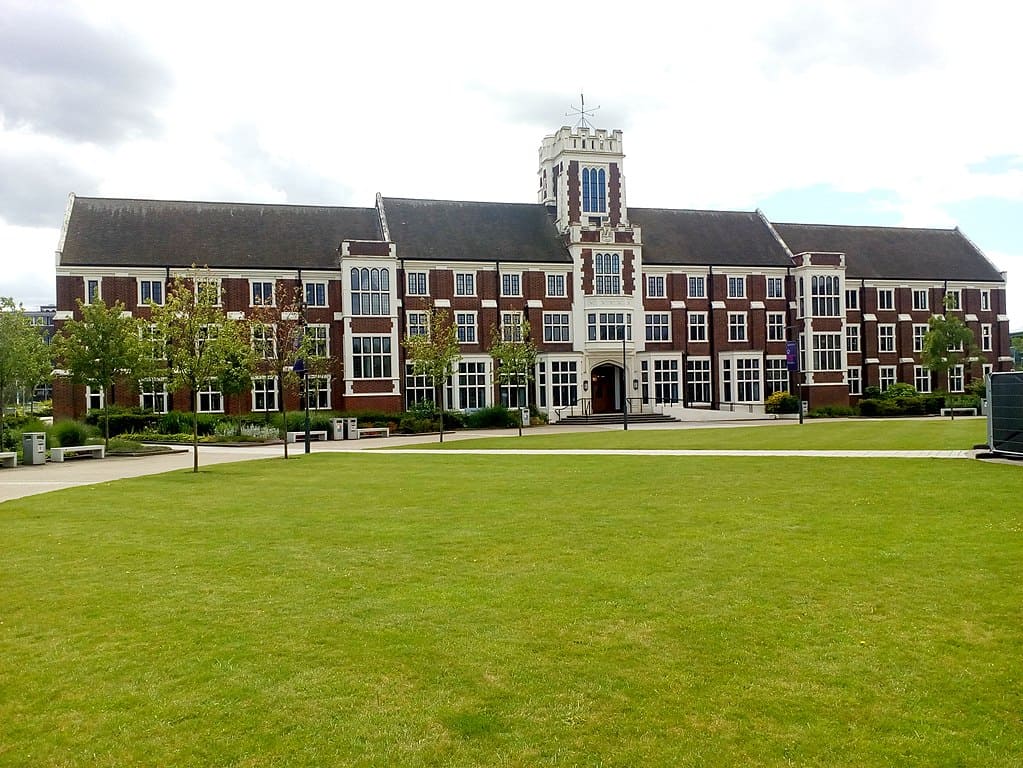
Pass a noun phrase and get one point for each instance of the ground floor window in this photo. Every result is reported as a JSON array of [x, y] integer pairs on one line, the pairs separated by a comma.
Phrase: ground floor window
[[418, 389], [264, 393], [776, 376], [541, 384], [318, 389], [94, 398], [921, 378], [153, 395], [564, 383], [513, 395], [698, 380], [471, 385], [740, 379], [852, 377], [210, 398], [887, 376], [955, 378], [666, 381]]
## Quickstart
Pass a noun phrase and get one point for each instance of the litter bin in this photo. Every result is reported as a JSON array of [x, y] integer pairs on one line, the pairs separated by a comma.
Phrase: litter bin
[[524, 415], [337, 429], [33, 447], [351, 427]]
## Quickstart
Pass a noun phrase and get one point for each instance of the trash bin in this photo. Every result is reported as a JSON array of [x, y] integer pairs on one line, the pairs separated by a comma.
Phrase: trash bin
[[337, 429], [524, 415], [351, 427], [33, 447]]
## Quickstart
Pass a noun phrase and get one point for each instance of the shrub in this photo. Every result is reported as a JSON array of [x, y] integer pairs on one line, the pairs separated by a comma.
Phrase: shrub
[[898, 391], [174, 422], [782, 402], [496, 416], [123, 419], [65, 433], [832, 412], [411, 423]]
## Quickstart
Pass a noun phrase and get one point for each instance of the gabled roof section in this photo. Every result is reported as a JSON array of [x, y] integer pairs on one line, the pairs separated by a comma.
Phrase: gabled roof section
[[445, 230], [116, 232], [894, 252], [710, 238]]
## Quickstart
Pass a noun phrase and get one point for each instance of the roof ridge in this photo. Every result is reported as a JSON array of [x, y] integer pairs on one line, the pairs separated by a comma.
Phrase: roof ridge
[[228, 203], [864, 226]]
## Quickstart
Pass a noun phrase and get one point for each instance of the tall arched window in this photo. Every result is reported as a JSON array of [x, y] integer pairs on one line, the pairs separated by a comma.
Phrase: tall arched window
[[371, 291], [594, 190]]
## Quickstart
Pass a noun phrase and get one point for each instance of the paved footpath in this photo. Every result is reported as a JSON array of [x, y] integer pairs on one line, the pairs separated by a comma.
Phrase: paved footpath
[[30, 480]]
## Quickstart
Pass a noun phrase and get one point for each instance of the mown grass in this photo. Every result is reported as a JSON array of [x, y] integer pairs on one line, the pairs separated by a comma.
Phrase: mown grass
[[888, 435], [376, 610]]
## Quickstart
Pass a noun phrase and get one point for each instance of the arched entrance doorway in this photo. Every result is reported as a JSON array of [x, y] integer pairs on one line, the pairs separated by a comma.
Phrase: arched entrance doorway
[[605, 386]]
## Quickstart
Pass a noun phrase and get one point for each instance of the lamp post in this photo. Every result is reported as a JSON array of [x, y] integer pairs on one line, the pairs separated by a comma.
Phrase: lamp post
[[625, 386], [302, 371]]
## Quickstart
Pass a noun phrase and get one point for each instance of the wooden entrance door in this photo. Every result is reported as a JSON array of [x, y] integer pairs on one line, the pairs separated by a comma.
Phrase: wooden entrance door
[[602, 384]]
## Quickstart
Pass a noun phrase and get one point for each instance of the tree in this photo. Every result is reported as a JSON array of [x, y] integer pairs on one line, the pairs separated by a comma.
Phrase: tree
[[949, 343], [24, 357], [104, 347], [514, 356], [280, 338], [433, 353], [203, 345]]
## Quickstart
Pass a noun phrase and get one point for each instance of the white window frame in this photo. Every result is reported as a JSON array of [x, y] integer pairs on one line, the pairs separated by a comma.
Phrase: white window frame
[[922, 379], [557, 281], [854, 381], [776, 326], [985, 301], [658, 326], [696, 324], [736, 287], [417, 319], [92, 296], [737, 327], [95, 397], [827, 351], [557, 327], [919, 331], [318, 334], [149, 283], [605, 326], [217, 287], [888, 303], [887, 375], [696, 286], [368, 358], [209, 399], [852, 338], [511, 284], [511, 326], [470, 328], [655, 287], [957, 379], [376, 300], [263, 337], [886, 337], [464, 280], [852, 298], [262, 302], [986, 337], [921, 299], [318, 388], [265, 387], [607, 273], [957, 296], [775, 288], [156, 395], [317, 287], [417, 283]]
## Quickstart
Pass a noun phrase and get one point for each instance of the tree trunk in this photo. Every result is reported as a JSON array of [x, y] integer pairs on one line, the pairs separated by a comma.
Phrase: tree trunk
[[195, 431], [438, 396], [106, 421], [284, 413]]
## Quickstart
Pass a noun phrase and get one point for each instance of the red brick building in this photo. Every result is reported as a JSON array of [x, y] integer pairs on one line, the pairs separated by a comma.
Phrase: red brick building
[[666, 309]]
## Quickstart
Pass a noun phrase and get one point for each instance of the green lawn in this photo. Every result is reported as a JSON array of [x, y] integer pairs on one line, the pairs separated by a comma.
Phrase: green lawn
[[892, 435], [436, 610]]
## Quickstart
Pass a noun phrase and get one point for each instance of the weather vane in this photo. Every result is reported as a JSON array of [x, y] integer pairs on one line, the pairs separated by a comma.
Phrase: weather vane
[[581, 112]]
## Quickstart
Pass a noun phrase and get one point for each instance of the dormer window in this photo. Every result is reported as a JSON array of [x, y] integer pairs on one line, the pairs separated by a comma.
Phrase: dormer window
[[594, 190]]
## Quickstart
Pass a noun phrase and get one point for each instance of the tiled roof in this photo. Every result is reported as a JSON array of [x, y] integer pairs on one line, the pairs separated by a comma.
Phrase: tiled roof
[[115, 232], [894, 252], [711, 238], [446, 230]]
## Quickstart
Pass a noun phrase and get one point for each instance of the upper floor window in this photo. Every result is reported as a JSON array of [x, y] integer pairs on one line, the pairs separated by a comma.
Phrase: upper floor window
[[609, 326], [737, 326], [985, 337], [316, 294], [655, 286], [852, 299], [776, 326], [418, 323], [697, 324], [511, 326], [827, 352], [985, 300], [371, 291], [371, 357], [92, 291], [775, 288], [736, 287], [886, 338], [465, 284], [555, 285], [416, 283], [658, 327], [318, 339], [697, 287], [608, 274], [151, 292], [594, 190], [154, 342], [264, 343], [920, 299], [465, 325], [511, 284], [885, 298], [556, 327], [954, 299], [208, 292], [262, 293], [824, 296]]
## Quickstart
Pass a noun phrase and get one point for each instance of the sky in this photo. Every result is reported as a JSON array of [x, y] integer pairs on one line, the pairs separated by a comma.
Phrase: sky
[[901, 113]]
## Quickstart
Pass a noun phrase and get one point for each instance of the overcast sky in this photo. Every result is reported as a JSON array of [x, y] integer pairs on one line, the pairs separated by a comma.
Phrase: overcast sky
[[893, 113]]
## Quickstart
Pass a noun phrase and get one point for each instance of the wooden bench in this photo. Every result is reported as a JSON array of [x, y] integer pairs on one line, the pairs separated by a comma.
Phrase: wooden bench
[[372, 432], [314, 434], [8, 459], [963, 411], [58, 454]]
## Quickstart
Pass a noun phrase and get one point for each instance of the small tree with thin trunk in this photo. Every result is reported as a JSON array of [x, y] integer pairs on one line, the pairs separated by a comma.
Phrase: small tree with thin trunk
[[203, 345], [948, 343], [514, 357], [102, 348], [280, 338], [24, 357], [433, 353]]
